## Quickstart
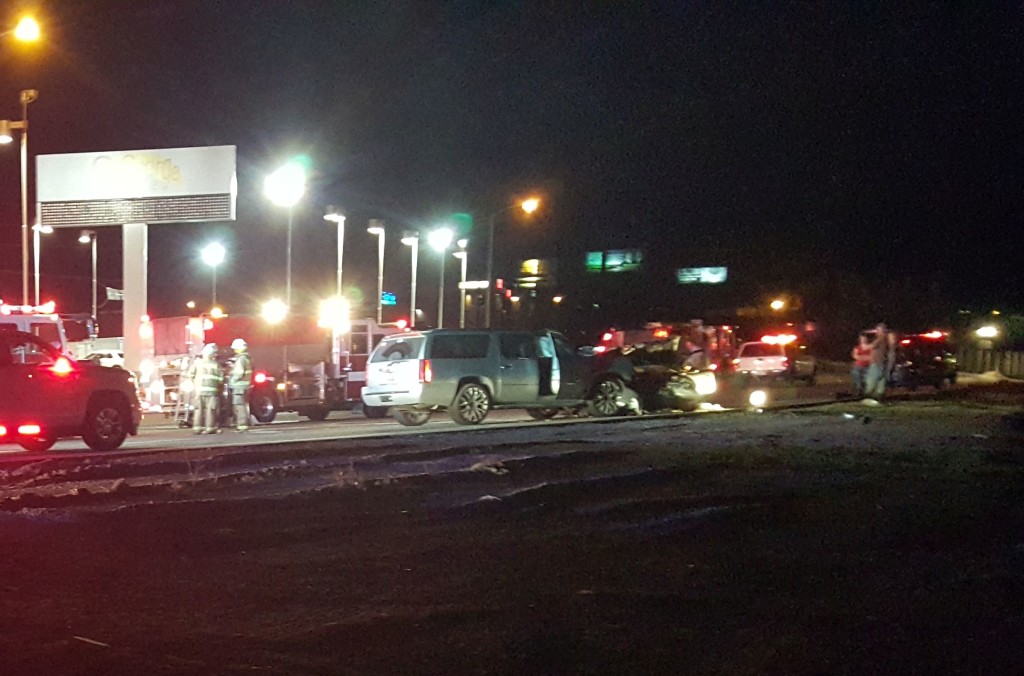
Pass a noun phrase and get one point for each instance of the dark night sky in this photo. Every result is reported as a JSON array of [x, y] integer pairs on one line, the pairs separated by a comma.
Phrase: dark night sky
[[859, 137]]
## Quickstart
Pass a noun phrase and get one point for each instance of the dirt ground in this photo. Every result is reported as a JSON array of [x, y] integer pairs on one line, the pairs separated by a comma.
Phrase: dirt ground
[[838, 539]]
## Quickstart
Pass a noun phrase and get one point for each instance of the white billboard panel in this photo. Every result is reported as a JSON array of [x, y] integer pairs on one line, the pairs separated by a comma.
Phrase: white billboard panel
[[137, 186]]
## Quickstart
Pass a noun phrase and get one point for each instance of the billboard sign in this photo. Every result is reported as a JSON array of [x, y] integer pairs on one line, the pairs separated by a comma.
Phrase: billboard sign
[[716, 275], [170, 185], [615, 260]]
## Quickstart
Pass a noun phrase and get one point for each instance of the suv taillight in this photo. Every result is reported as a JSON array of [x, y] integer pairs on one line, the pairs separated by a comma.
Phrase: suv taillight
[[785, 362], [426, 373]]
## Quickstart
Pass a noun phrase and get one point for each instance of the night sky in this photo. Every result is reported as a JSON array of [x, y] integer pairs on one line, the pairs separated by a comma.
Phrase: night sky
[[858, 141]]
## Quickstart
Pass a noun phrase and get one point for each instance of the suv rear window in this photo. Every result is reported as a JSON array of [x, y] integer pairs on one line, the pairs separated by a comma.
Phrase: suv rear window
[[393, 350], [761, 350], [464, 346]]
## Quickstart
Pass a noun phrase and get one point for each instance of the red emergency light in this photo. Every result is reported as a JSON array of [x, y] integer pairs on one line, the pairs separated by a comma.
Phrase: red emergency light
[[607, 337], [259, 377], [661, 333], [933, 335], [402, 324], [62, 367], [780, 339]]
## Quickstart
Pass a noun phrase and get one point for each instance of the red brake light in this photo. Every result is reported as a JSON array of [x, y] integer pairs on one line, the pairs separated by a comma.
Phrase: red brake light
[[62, 366], [713, 366], [29, 430], [402, 324], [905, 341], [3, 431], [606, 337], [259, 377], [426, 373]]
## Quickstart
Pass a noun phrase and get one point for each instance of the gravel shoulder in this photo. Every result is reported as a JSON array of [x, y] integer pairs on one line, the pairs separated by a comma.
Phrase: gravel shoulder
[[836, 539]]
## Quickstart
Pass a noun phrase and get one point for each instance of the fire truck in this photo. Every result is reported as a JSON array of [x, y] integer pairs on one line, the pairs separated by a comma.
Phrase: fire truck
[[297, 365], [74, 334]]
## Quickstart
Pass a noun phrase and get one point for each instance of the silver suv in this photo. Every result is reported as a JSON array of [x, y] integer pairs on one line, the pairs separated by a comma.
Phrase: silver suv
[[468, 373]]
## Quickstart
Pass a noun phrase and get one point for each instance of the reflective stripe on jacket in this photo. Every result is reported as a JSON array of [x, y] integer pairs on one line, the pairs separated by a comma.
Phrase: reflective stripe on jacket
[[208, 377], [241, 372]]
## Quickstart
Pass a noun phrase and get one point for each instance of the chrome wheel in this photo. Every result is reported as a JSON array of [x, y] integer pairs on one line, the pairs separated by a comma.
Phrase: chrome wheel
[[605, 400], [471, 405]]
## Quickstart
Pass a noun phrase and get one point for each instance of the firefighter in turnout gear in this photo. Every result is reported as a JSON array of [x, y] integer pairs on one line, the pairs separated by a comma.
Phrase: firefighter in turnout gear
[[208, 382], [240, 380]]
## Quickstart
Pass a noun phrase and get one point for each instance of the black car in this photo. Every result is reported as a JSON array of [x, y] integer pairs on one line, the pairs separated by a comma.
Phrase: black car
[[924, 359]]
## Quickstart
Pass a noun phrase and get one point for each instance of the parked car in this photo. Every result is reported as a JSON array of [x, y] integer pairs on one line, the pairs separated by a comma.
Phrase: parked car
[[468, 373], [760, 359], [106, 358], [924, 359], [48, 395]]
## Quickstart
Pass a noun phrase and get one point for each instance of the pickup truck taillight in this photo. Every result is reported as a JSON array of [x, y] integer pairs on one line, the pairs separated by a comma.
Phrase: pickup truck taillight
[[426, 373], [29, 430], [3, 431]]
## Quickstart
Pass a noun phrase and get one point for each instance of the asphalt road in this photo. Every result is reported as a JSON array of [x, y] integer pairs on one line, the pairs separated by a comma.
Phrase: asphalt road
[[161, 433]]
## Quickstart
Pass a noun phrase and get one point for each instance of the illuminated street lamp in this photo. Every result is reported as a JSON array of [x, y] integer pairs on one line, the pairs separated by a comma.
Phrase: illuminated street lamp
[[528, 206], [36, 231], [987, 332], [412, 239], [213, 254], [285, 188], [462, 255], [778, 304], [334, 215], [6, 128], [27, 30], [377, 229], [89, 237], [274, 311], [440, 240]]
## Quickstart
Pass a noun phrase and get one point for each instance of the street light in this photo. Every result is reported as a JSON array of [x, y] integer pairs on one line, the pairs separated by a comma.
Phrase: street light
[[89, 237], [528, 206], [377, 228], [440, 240], [27, 30], [285, 188], [6, 127], [213, 255], [462, 255], [274, 311], [36, 231], [412, 239], [334, 215]]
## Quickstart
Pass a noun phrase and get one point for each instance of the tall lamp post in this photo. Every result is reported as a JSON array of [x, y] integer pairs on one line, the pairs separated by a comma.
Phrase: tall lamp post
[[334, 215], [412, 239], [377, 228], [462, 255], [529, 206], [89, 237], [213, 255], [285, 188], [6, 127], [36, 231], [440, 240]]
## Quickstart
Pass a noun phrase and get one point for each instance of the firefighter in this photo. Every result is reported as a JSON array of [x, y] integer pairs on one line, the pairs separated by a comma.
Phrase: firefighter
[[208, 382], [240, 380]]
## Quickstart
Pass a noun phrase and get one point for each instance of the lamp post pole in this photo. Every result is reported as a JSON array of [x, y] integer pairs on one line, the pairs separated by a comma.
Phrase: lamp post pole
[[489, 291], [95, 307], [333, 213], [412, 240], [463, 256], [377, 228], [440, 240]]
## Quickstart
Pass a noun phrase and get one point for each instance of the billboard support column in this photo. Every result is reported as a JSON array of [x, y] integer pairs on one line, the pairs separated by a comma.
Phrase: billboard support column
[[135, 254]]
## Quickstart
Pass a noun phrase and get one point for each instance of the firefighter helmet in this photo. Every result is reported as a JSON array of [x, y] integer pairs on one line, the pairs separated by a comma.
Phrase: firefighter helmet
[[210, 350], [238, 345]]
